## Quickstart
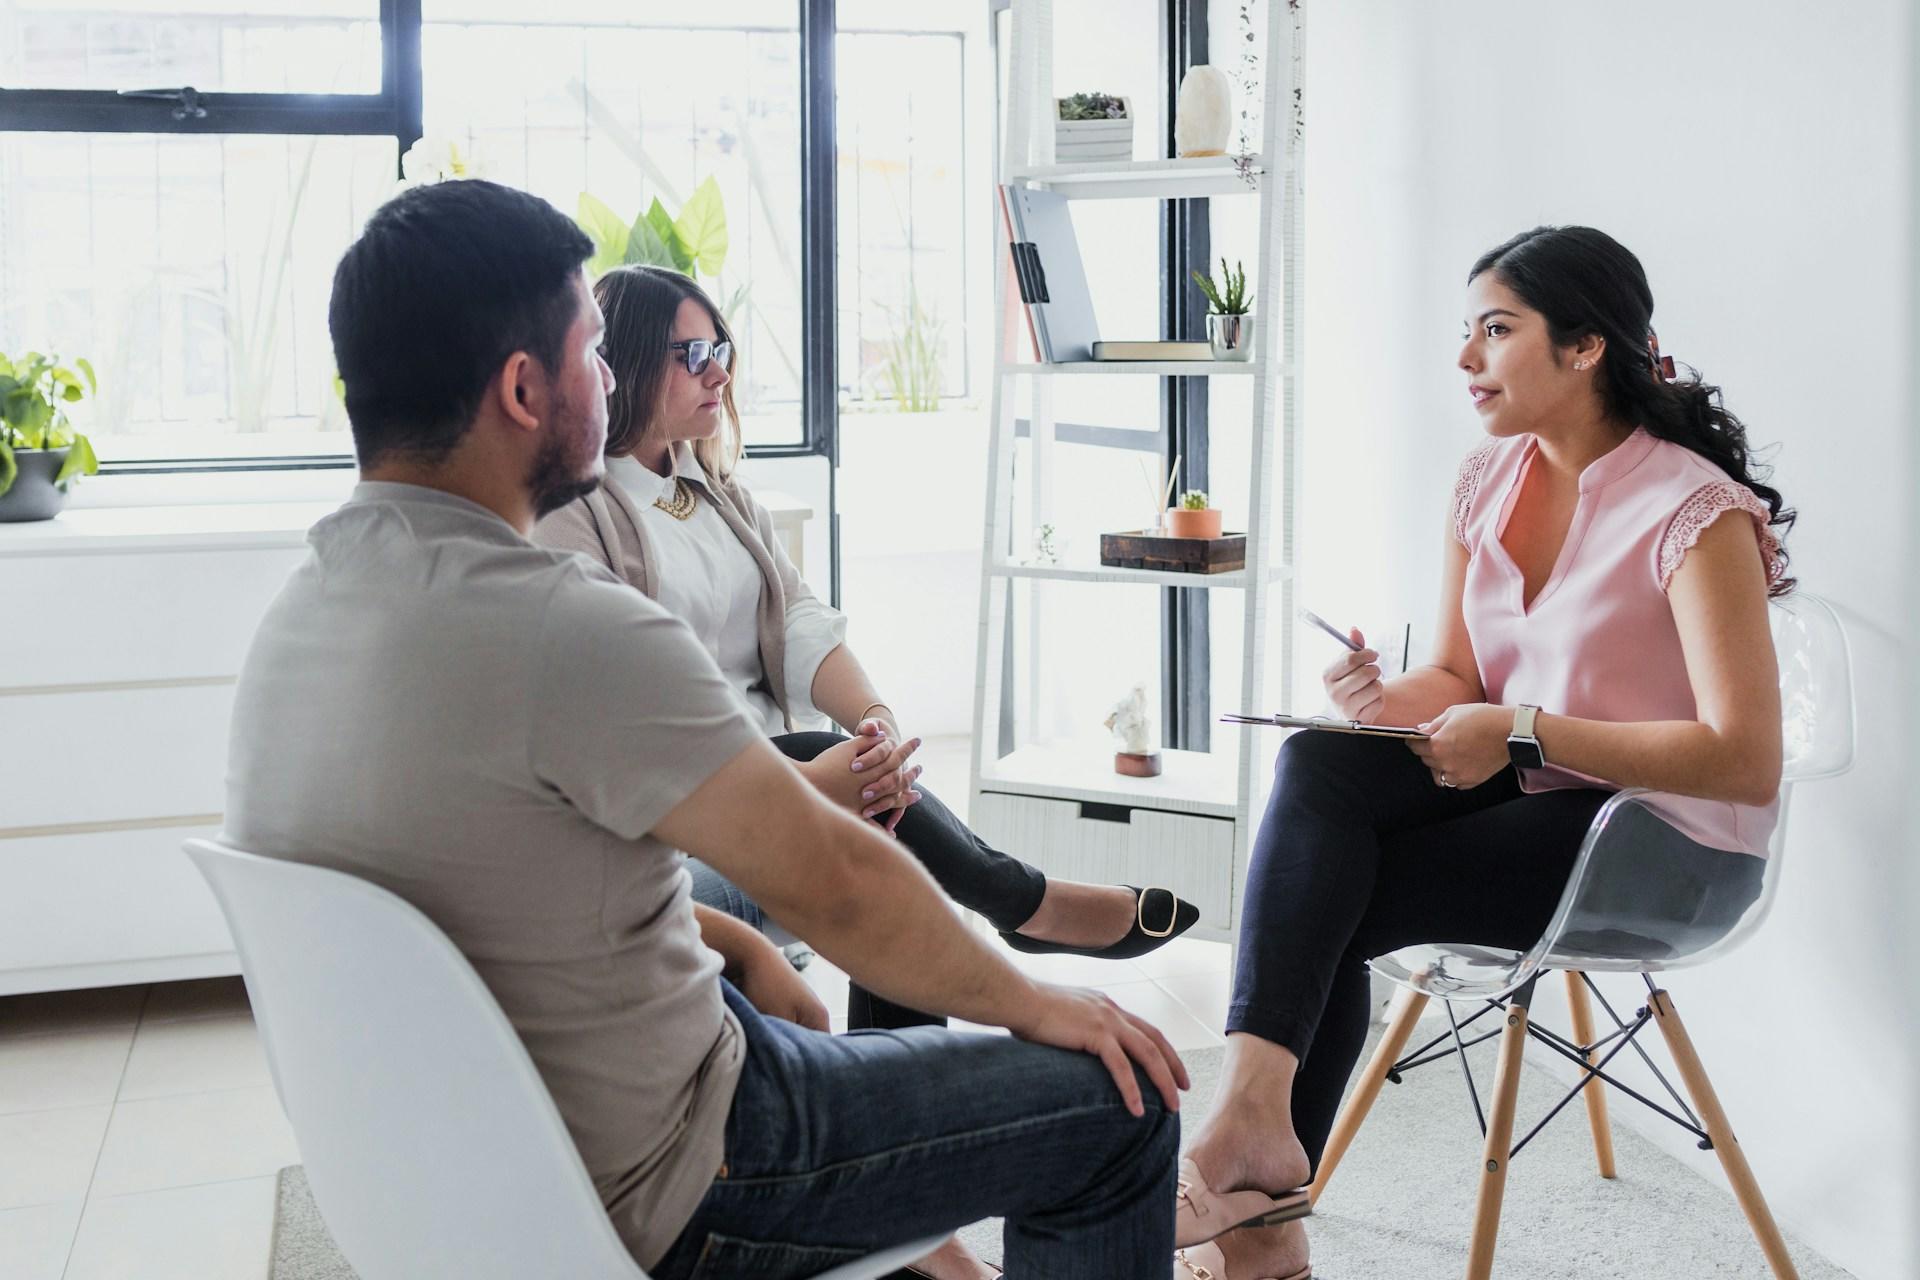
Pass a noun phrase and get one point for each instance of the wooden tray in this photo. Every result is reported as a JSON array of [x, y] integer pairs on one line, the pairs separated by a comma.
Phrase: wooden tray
[[1142, 549]]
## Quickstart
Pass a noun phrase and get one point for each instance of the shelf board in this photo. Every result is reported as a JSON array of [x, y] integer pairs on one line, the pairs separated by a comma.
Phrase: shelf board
[[1082, 769], [1164, 179], [1155, 368], [1233, 579]]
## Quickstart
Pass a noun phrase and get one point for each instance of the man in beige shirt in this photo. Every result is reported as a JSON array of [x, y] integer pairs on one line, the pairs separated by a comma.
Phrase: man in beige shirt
[[521, 746]]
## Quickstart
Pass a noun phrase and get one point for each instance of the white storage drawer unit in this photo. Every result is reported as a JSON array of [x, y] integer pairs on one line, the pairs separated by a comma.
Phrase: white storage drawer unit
[[1101, 843], [115, 733]]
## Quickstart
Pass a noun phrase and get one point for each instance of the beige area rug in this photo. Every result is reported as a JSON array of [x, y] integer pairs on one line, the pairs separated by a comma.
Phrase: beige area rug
[[1401, 1206]]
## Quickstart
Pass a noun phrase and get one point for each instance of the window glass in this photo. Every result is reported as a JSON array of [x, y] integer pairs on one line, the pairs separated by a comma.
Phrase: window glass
[[217, 46], [193, 272]]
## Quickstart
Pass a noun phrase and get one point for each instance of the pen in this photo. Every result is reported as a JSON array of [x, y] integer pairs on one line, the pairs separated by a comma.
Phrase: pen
[[1320, 622]]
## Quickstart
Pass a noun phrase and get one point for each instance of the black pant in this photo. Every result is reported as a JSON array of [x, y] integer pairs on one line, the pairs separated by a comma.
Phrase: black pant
[[979, 877], [1360, 853]]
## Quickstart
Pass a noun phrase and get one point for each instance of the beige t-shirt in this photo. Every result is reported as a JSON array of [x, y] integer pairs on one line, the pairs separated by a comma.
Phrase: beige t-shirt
[[490, 729]]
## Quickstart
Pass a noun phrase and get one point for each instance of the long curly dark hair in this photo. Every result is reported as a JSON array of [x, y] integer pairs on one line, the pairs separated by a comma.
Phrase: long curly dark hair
[[1586, 282]]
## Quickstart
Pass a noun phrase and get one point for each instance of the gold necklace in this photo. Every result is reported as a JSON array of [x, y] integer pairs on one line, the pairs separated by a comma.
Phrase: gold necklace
[[684, 501]]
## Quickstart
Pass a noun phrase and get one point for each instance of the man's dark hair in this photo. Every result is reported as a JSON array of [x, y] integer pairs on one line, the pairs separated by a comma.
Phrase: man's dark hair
[[445, 283]]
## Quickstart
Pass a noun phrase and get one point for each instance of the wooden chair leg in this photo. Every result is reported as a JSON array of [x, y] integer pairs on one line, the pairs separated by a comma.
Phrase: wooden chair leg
[[1499, 1148], [1596, 1090], [1353, 1113], [1745, 1189]]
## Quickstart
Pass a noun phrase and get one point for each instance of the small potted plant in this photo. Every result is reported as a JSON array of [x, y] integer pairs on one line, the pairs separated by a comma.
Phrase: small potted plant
[[1229, 312], [40, 452], [1092, 128], [1193, 518]]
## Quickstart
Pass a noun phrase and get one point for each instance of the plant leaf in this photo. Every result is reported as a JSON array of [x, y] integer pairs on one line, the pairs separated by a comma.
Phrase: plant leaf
[[8, 467], [702, 225], [645, 248], [678, 256], [80, 461], [607, 230], [85, 366]]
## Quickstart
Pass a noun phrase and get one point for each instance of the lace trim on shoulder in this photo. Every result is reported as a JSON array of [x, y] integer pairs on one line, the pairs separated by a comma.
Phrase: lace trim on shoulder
[[1702, 507], [1467, 486]]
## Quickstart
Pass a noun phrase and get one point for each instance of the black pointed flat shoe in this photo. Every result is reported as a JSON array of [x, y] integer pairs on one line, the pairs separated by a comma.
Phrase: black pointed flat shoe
[[1158, 917]]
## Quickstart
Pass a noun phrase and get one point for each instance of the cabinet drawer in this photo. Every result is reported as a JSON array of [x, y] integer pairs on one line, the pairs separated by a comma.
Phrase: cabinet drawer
[[103, 897], [1113, 844], [115, 756], [163, 616]]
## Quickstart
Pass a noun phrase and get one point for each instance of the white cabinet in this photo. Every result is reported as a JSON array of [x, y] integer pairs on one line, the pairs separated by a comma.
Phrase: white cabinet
[[126, 629]]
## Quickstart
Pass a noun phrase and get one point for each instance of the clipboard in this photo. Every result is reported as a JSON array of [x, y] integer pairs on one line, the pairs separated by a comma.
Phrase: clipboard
[[1327, 723]]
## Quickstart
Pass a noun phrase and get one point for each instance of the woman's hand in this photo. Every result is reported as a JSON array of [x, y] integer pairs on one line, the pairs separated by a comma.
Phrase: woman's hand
[[1353, 683], [868, 774], [1466, 744], [888, 811], [768, 980]]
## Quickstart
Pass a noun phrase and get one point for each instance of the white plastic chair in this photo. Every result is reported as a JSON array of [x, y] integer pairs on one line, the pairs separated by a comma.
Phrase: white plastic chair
[[1623, 911], [432, 1146]]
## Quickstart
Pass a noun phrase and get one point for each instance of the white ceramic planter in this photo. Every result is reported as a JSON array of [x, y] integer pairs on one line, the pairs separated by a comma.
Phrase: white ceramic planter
[[1093, 141]]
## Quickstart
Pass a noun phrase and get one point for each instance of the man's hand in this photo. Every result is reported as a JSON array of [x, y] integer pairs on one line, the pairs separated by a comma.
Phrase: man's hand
[[1086, 1021], [1467, 744], [768, 980]]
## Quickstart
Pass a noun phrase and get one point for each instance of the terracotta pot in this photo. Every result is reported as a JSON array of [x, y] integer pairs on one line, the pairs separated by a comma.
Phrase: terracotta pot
[[1182, 523]]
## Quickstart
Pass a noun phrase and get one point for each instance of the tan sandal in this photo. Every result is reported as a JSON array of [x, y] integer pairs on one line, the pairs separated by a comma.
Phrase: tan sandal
[[1206, 1262], [1201, 1213]]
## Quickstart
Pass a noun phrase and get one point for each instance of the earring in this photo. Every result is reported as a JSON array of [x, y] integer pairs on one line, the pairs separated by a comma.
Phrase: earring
[[1582, 364]]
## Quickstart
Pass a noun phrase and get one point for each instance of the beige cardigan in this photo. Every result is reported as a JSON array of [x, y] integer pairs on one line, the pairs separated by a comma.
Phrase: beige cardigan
[[605, 526]]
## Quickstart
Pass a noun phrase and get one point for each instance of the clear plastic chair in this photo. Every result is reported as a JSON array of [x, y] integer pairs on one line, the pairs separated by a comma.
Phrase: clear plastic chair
[[1635, 903], [432, 1146]]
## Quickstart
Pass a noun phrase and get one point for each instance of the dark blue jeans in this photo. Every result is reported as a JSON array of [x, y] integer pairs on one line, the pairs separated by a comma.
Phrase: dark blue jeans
[[838, 1146]]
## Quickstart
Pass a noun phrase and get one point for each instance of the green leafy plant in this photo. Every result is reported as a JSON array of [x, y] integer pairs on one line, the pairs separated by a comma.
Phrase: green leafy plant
[[1194, 500], [34, 392], [1230, 296], [909, 371], [1092, 106], [694, 241]]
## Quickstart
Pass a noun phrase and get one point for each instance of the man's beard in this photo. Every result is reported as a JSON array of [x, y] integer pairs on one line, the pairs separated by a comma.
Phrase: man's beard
[[554, 480]]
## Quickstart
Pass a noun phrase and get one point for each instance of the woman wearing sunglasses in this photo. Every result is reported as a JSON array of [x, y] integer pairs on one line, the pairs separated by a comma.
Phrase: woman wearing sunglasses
[[673, 521]]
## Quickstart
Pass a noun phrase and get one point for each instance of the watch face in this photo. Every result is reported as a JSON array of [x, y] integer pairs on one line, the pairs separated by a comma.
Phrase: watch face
[[1525, 752]]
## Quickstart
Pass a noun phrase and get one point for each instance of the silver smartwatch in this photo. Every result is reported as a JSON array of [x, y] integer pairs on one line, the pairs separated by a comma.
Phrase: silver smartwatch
[[1522, 747]]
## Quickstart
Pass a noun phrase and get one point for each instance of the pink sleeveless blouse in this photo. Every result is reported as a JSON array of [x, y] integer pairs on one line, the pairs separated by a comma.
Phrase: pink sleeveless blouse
[[1599, 641]]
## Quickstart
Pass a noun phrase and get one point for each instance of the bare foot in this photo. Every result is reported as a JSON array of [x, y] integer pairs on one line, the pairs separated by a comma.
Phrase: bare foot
[[953, 1261], [1082, 915], [1266, 1253], [1251, 1149]]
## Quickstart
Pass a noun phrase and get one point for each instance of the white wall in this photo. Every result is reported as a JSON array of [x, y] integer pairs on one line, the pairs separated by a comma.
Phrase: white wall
[[1758, 158]]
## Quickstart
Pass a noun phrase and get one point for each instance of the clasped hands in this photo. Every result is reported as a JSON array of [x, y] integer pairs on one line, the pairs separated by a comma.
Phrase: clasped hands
[[869, 773], [1466, 743]]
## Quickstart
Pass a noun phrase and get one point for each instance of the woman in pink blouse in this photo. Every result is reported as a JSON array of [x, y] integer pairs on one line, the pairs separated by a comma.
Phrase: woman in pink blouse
[[1601, 626]]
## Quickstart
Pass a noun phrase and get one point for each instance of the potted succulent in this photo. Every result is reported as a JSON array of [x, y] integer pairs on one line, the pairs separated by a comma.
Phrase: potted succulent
[[40, 452], [1092, 128], [1229, 312], [1193, 518]]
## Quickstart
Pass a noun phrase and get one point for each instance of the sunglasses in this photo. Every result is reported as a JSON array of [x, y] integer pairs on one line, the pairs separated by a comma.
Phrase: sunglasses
[[700, 353]]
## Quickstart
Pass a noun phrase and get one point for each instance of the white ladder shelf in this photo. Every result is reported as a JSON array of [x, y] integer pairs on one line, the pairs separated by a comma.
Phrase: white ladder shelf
[[1059, 804]]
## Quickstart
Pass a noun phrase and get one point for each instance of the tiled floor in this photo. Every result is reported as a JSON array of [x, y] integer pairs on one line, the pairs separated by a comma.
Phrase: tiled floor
[[139, 1133]]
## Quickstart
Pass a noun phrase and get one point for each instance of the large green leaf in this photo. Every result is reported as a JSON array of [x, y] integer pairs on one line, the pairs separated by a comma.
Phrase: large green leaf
[[86, 368], [8, 467], [645, 248], [662, 224], [702, 225], [80, 461], [607, 230]]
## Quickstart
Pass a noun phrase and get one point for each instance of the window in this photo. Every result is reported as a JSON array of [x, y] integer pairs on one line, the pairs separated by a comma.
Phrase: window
[[189, 256]]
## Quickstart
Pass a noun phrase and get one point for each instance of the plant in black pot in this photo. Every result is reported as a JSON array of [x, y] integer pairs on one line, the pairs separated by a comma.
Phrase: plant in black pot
[[40, 452]]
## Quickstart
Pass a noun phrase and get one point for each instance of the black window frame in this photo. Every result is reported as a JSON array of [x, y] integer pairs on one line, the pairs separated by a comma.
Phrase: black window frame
[[398, 111]]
